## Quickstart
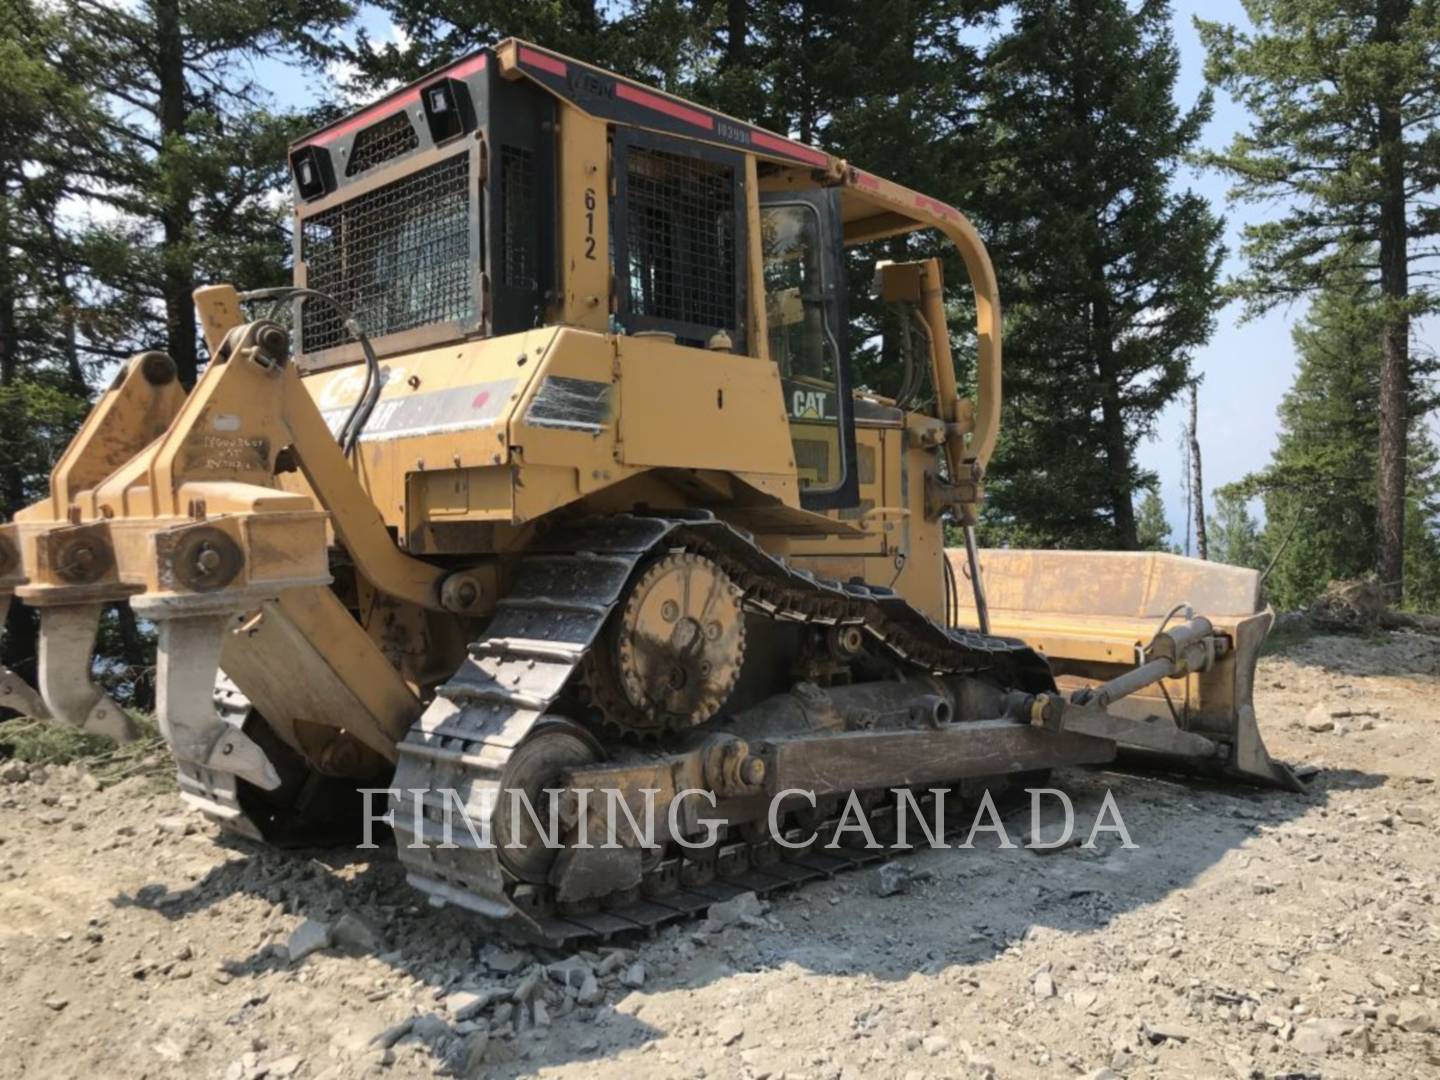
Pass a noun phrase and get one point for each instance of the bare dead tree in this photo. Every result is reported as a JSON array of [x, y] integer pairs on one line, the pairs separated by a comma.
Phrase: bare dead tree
[[1202, 547]]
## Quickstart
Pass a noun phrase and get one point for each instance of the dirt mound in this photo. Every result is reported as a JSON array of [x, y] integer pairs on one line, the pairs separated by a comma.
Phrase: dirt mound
[[1360, 606], [1350, 605]]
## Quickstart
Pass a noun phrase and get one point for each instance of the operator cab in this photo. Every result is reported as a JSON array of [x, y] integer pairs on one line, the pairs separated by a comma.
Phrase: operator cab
[[470, 204]]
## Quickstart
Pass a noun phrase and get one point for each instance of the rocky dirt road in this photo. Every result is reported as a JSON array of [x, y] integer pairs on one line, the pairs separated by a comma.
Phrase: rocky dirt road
[[1249, 934]]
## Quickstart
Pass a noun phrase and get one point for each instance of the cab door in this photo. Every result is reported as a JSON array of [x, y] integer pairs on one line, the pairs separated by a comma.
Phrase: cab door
[[802, 259]]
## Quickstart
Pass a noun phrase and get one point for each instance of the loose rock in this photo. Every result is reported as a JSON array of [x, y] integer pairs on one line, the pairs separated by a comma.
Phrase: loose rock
[[633, 976], [310, 936], [354, 934], [746, 906], [1319, 719]]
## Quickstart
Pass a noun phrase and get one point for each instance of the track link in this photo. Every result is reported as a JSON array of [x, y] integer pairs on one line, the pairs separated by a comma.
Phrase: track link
[[563, 591]]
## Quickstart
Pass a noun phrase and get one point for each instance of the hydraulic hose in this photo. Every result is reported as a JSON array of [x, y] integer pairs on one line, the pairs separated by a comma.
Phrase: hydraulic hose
[[359, 414]]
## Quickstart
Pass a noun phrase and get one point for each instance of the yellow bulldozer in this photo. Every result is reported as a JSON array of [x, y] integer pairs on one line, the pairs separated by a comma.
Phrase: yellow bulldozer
[[550, 474]]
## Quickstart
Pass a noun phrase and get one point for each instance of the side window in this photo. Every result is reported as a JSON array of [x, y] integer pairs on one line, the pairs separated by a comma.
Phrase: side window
[[679, 238], [805, 322]]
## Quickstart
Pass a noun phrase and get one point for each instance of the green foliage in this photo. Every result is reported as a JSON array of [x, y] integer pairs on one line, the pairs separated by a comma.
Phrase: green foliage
[[41, 414], [139, 158], [1319, 488], [1110, 273], [1345, 104], [1152, 528], [1317, 77], [1234, 534], [650, 39], [38, 742], [191, 155]]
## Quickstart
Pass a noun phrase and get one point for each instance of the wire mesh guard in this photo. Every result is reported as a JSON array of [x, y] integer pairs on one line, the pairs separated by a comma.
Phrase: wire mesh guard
[[397, 257], [680, 238], [380, 142], [519, 206]]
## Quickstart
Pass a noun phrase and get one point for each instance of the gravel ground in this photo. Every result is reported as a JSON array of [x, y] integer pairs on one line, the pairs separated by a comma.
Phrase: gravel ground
[[1248, 934]]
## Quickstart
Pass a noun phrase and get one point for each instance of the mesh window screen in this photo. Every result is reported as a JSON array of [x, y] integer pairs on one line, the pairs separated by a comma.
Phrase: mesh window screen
[[397, 256], [518, 209], [380, 142], [680, 238]]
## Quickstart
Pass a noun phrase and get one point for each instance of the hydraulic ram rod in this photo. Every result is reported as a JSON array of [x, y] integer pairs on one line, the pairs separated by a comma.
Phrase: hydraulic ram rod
[[1191, 646]]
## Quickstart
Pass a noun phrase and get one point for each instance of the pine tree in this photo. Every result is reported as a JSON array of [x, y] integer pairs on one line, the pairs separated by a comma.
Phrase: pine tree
[[192, 151], [654, 40], [1320, 488], [1109, 273], [1234, 532], [1152, 527], [1346, 115], [48, 123]]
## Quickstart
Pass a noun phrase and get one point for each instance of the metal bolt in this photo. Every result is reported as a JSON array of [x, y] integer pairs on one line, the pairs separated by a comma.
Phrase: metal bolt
[[274, 342], [157, 368], [669, 611], [208, 561]]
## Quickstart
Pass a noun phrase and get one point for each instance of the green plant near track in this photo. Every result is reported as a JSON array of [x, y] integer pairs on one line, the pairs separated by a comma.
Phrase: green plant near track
[[38, 742]]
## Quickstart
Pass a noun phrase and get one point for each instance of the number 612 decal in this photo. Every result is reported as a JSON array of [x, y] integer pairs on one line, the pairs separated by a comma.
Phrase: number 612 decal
[[589, 223]]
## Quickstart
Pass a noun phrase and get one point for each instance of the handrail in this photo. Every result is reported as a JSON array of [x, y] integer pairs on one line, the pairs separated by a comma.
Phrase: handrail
[[956, 226]]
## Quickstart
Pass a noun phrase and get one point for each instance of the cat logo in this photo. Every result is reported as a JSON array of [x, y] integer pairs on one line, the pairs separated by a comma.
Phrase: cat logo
[[808, 405]]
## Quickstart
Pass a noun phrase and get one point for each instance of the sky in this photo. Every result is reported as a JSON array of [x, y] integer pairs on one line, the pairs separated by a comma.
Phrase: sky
[[1246, 367]]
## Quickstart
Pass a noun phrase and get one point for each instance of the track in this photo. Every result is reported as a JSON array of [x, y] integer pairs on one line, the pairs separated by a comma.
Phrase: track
[[562, 594]]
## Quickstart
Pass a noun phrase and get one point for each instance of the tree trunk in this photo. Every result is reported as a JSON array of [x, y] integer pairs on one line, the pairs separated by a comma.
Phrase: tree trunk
[[135, 652], [12, 476], [1112, 416], [737, 17], [1117, 460], [1202, 542], [585, 16], [805, 123], [1394, 332], [9, 332], [176, 217], [19, 632]]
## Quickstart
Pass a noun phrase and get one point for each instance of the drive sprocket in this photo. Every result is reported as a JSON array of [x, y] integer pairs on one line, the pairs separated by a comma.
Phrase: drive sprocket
[[673, 651]]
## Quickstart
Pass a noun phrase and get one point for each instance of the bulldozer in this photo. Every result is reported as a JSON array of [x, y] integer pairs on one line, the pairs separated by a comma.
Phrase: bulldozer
[[551, 474]]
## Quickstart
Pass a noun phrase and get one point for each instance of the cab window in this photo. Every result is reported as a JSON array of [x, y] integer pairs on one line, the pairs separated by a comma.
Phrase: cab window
[[804, 318]]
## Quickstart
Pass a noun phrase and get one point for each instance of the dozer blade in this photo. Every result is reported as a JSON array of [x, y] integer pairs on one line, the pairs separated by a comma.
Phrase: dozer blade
[[15, 693], [67, 655], [1156, 652], [201, 741]]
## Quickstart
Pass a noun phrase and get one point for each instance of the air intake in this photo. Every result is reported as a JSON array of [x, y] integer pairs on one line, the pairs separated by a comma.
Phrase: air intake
[[381, 142]]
